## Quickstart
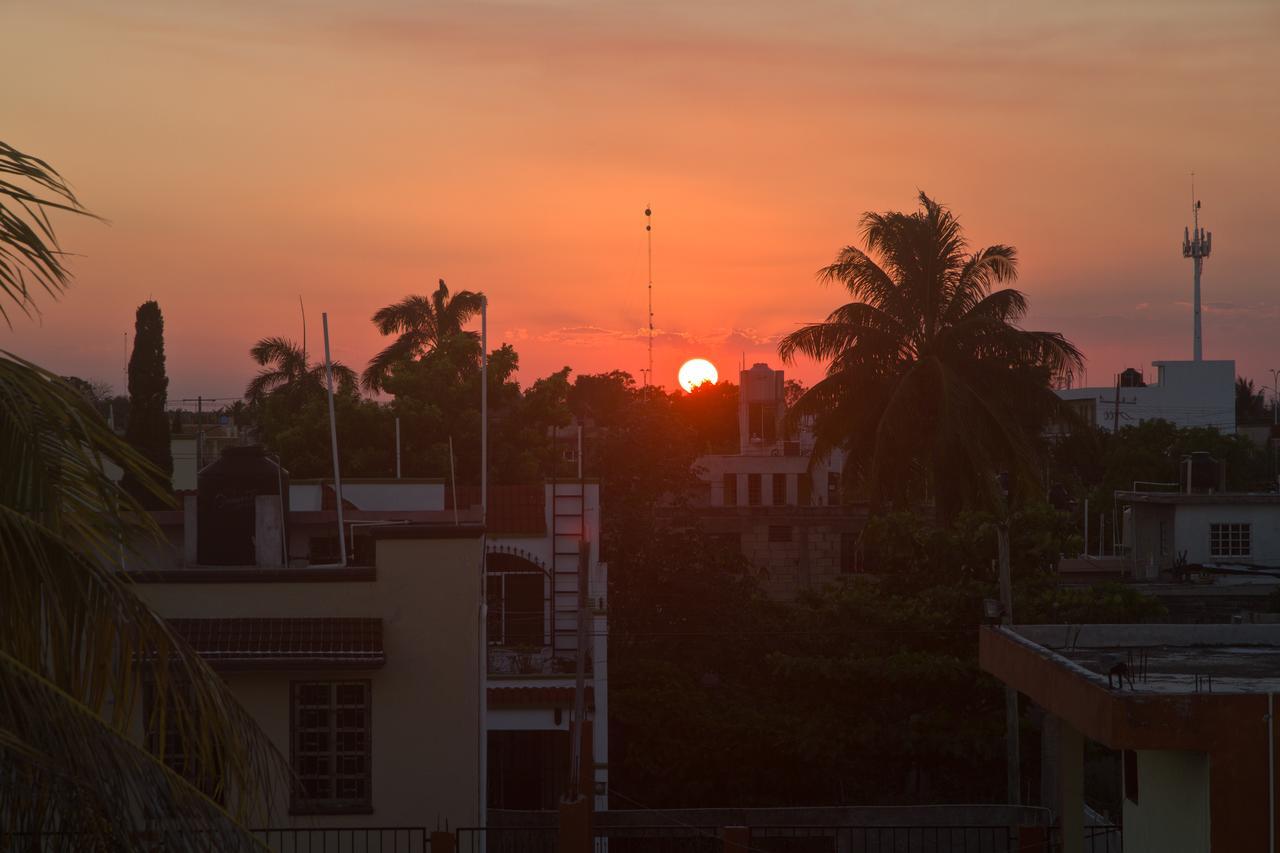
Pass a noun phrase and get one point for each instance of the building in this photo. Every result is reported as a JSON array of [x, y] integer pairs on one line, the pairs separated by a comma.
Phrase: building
[[1190, 707], [785, 509], [1185, 393], [1168, 531], [367, 676], [249, 533]]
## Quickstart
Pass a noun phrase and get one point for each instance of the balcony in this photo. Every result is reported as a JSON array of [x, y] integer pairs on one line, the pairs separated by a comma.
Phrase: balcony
[[524, 660]]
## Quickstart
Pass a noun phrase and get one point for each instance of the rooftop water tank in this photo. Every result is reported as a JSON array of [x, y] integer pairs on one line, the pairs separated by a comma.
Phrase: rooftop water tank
[[227, 493]]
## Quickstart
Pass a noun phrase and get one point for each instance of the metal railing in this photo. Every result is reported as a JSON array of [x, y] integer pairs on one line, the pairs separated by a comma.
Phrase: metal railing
[[658, 839], [347, 839], [507, 839], [891, 839]]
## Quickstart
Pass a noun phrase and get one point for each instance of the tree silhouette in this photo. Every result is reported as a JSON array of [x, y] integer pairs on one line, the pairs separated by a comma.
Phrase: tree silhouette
[[931, 387], [148, 429], [286, 372], [421, 324]]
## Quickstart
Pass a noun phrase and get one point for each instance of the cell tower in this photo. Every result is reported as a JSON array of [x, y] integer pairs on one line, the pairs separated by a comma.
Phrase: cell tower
[[648, 231], [1196, 244]]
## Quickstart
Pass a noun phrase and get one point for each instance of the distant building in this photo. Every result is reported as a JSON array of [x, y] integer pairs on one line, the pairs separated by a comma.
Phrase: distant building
[[265, 548], [774, 500], [1185, 393], [1188, 707]]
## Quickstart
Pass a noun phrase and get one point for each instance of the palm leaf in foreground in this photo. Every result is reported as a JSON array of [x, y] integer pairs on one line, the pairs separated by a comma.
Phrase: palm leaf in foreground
[[78, 646]]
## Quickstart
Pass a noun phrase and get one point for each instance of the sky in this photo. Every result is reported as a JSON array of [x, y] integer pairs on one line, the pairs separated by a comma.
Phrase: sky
[[247, 153]]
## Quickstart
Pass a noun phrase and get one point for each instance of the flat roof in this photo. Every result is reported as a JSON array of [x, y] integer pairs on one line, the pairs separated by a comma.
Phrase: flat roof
[[1211, 498], [1163, 659]]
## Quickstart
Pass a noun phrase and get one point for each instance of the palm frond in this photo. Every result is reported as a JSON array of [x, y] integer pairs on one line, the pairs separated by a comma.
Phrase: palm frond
[[70, 618], [30, 189]]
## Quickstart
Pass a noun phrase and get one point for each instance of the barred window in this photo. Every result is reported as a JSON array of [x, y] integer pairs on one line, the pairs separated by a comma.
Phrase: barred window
[[753, 490], [780, 533], [331, 746], [1230, 540], [730, 489]]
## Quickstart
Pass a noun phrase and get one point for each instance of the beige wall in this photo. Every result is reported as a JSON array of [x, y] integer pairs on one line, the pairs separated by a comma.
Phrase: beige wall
[[1172, 812], [425, 699]]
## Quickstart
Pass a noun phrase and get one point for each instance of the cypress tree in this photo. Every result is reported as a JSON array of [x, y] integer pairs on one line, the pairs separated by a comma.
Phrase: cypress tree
[[148, 428]]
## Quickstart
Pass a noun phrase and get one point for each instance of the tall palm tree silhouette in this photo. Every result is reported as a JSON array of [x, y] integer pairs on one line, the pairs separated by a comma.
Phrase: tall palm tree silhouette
[[421, 324], [931, 387]]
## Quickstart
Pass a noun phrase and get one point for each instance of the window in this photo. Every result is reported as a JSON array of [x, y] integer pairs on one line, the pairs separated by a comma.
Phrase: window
[[1130, 773], [1230, 540], [805, 489], [730, 489], [833, 488], [779, 496], [331, 747], [516, 607], [779, 533], [753, 489], [762, 423]]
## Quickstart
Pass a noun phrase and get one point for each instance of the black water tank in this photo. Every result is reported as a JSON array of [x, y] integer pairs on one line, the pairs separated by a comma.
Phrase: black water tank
[[226, 496]]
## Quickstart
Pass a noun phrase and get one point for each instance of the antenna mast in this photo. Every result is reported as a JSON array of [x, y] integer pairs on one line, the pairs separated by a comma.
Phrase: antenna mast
[[1196, 244], [648, 231]]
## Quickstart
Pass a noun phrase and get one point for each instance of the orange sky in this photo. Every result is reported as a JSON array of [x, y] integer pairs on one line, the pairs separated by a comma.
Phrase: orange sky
[[248, 152]]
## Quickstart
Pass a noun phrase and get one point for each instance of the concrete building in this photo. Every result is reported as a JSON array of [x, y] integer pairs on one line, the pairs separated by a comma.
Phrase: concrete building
[[783, 508], [1164, 531], [1190, 707], [537, 542], [1185, 393], [368, 677]]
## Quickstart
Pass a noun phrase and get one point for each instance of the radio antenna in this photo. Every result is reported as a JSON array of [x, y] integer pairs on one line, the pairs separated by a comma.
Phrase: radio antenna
[[1196, 244], [648, 231]]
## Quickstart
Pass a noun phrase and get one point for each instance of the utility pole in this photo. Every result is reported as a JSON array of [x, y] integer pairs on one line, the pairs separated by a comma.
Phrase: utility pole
[[200, 400], [1012, 745], [1275, 396], [648, 231]]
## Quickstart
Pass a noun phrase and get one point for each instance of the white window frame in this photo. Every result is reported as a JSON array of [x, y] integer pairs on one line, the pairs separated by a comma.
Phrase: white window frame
[[1230, 539]]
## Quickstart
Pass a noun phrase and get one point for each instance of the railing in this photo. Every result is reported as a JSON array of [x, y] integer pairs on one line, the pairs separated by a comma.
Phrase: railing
[[507, 839], [891, 839], [389, 839], [373, 839], [658, 839]]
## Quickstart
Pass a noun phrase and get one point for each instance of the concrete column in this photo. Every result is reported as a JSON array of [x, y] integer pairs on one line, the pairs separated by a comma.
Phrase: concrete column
[[1049, 761], [1070, 805], [190, 530], [575, 826]]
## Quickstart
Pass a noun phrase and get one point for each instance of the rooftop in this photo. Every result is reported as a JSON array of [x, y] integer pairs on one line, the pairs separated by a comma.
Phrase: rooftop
[[1162, 659], [1220, 498]]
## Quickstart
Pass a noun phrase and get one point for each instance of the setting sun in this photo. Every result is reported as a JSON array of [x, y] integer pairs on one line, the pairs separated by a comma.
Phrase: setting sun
[[695, 372]]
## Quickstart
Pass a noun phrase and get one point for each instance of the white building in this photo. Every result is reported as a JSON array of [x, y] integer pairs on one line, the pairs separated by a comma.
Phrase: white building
[[1163, 531], [537, 541], [1185, 393]]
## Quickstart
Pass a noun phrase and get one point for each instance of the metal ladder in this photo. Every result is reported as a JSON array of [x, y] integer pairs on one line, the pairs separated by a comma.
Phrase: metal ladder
[[568, 532]]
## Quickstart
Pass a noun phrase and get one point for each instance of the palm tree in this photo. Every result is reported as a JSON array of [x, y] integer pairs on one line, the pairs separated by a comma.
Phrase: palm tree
[[286, 372], [930, 385], [421, 324], [75, 642]]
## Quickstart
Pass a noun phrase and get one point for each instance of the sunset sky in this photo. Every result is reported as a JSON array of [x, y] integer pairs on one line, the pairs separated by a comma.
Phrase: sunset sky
[[246, 153]]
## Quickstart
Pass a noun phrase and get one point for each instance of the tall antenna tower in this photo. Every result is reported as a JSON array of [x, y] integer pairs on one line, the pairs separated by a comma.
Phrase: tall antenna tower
[[1196, 244], [648, 232]]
